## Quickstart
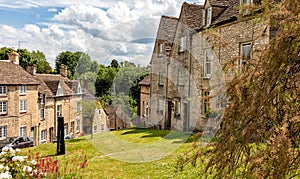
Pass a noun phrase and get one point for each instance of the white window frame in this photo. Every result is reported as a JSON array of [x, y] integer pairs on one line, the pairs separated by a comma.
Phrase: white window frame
[[44, 135], [207, 62], [66, 128], [23, 131], [78, 125], [58, 110], [42, 113], [23, 105], [3, 90], [244, 10], [160, 49], [181, 77], [182, 45], [79, 91], [160, 78], [245, 57], [72, 127], [95, 129], [209, 16], [3, 107], [203, 17], [23, 90], [3, 132]]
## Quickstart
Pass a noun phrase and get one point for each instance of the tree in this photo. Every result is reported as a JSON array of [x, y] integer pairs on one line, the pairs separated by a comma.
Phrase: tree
[[114, 63], [71, 60], [260, 130], [39, 58]]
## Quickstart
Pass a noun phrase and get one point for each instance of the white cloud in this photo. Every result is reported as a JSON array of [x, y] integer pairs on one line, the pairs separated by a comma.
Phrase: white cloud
[[52, 10], [105, 30]]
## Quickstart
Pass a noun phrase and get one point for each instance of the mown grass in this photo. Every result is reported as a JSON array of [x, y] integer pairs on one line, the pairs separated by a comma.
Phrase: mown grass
[[101, 164]]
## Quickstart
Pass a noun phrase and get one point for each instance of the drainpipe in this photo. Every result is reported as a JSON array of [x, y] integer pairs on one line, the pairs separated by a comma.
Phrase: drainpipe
[[189, 81]]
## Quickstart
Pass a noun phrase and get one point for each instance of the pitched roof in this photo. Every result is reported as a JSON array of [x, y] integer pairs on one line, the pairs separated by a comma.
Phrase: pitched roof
[[193, 14], [145, 81], [52, 81], [230, 13], [167, 28], [13, 74], [219, 2]]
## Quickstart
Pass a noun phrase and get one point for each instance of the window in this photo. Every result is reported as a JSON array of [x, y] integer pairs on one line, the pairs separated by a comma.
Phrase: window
[[23, 105], [42, 98], [3, 90], [209, 16], [95, 129], [244, 6], [3, 107], [72, 127], [23, 89], [160, 106], [177, 109], [160, 49], [180, 78], [207, 61], [58, 110], [59, 90], [245, 51], [79, 89], [23, 131], [221, 101], [42, 113], [206, 108], [66, 129], [102, 127], [203, 17], [78, 125], [44, 134], [3, 132], [78, 108], [160, 78], [100, 112], [182, 45]]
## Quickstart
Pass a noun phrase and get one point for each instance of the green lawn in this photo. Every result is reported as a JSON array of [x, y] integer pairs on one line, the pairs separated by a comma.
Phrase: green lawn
[[133, 153]]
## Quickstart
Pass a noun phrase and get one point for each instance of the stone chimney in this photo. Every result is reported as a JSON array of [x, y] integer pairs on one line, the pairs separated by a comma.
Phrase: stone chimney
[[14, 57], [31, 69], [63, 71]]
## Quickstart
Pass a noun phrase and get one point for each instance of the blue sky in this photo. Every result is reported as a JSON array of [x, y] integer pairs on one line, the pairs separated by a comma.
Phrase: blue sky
[[106, 29]]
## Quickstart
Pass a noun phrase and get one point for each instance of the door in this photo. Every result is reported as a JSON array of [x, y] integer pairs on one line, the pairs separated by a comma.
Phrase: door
[[185, 118], [168, 117], [51, 134]]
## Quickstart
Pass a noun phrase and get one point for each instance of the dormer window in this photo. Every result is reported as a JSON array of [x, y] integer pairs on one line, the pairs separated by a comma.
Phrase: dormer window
[[209, 16], [59, 90], [22, 89], [182, 45]]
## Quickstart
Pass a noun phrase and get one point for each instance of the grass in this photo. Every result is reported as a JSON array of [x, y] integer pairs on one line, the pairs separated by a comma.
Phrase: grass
[[133, 153]]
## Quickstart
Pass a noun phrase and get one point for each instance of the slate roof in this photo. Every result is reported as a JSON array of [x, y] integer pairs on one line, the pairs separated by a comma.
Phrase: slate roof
[[167, 28], [193, 15], [49, 84], [13, 74], [146, 81]]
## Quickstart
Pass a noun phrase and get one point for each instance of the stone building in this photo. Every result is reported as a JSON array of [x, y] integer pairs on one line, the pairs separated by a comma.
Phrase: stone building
[[58, 96], [144, 105], [211, 45], [18, 100]]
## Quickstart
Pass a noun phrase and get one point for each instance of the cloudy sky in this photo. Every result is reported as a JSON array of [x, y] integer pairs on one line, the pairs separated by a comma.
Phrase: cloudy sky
[[105, 29]]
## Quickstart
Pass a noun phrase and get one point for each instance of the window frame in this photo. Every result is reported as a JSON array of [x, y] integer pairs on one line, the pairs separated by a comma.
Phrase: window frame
[[3, 108], [23, 89], [23, 131], [180, 77], [3, 90], [209, 16], [58, 110], [244, 59], [23, 105], [3, 132], [160, 49], [44, 135], [60, 91], [182, 44], [207, 61], [42, 113], [161, 78]]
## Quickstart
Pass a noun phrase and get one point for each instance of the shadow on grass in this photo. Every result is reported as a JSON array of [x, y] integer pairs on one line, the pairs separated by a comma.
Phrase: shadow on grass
[[182, 137], [75, 140]]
